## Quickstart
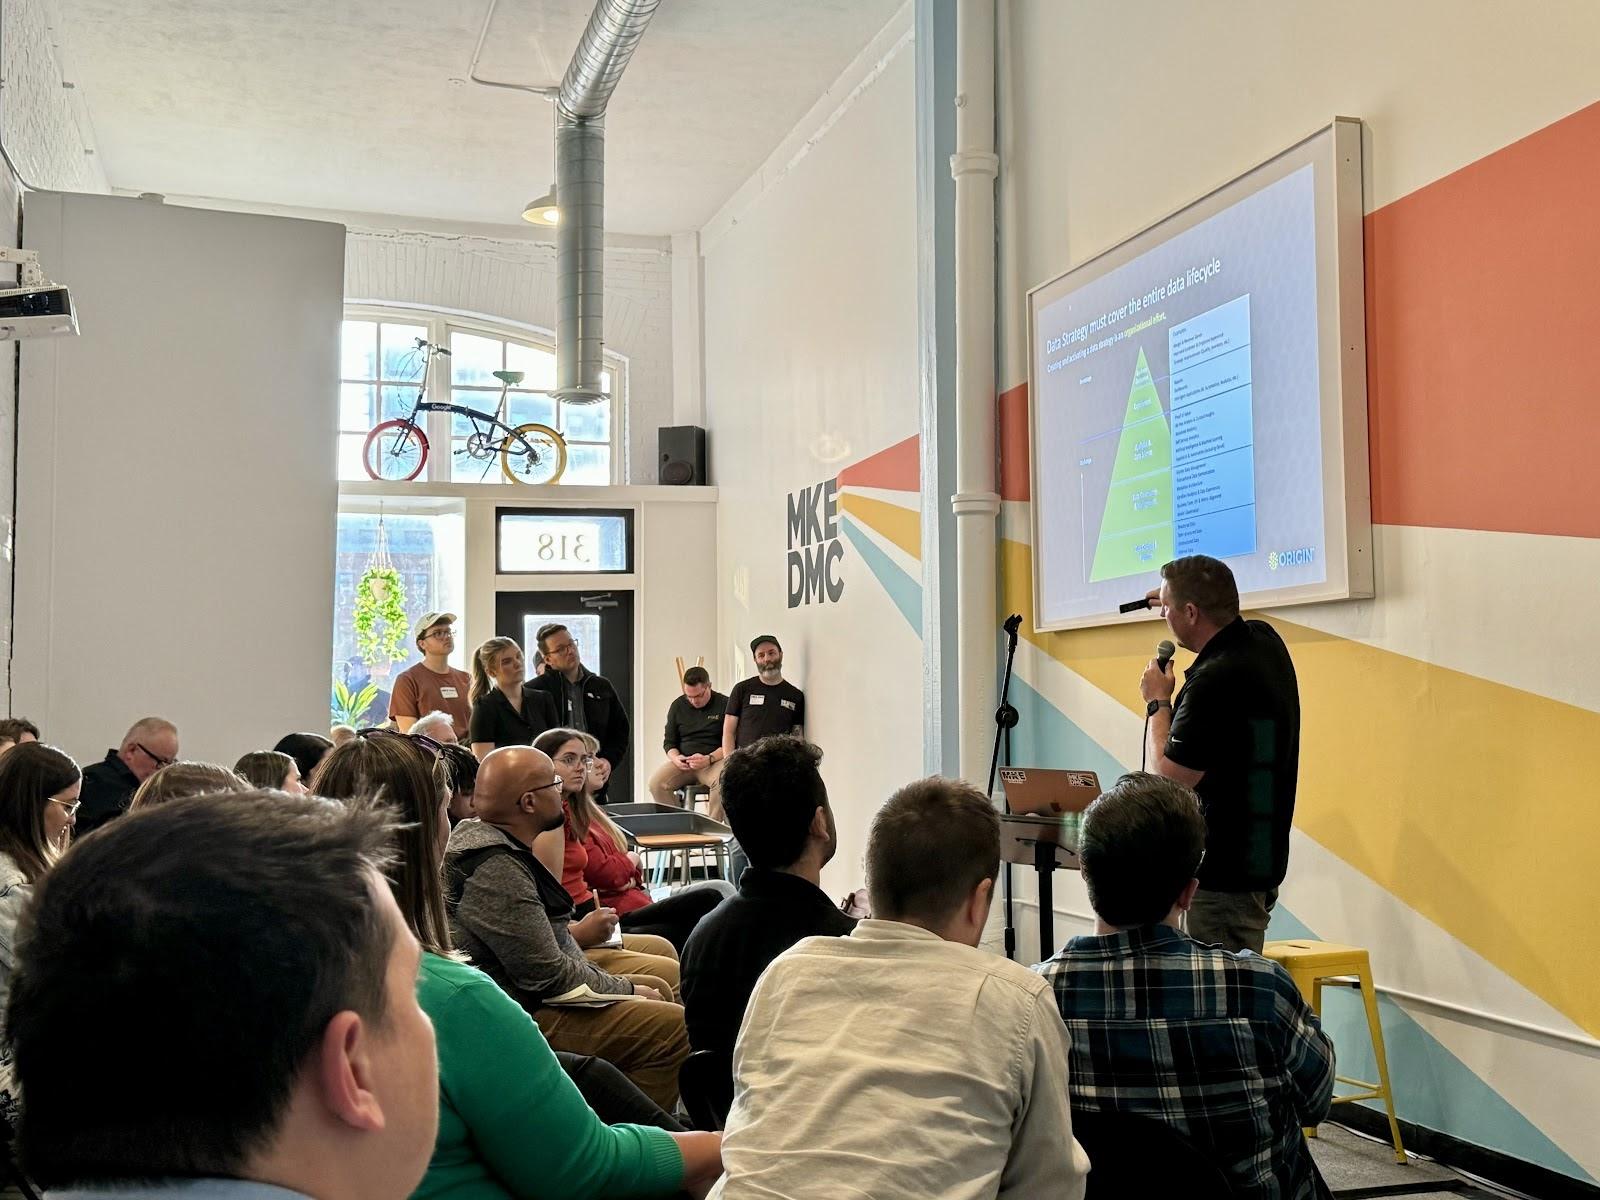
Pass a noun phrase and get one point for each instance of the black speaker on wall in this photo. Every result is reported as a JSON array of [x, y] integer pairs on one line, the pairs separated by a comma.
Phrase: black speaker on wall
[[682, 457]]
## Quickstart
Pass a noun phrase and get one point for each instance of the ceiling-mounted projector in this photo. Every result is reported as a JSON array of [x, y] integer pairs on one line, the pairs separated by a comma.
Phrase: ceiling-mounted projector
[[35, 307]]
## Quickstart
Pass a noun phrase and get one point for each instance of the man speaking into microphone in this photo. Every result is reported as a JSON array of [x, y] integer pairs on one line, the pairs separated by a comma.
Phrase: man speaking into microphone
[[1233, 735]]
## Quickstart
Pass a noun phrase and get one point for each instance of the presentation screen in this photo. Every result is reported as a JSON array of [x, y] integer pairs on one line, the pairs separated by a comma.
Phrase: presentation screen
[[1201, 389]]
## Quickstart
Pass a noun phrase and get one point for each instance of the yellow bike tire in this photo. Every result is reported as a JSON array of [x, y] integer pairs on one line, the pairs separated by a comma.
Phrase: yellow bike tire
[[537, 436]]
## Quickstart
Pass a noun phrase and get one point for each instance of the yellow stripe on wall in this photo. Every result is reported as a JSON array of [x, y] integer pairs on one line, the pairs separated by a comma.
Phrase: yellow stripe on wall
[[902, 526], [1472, 802]]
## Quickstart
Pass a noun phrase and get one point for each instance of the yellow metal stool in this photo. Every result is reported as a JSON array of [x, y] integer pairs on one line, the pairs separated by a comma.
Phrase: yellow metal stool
[[1310, 964]]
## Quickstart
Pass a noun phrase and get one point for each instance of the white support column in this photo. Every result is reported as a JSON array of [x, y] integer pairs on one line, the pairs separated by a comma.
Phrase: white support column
[[688, 331], [976, 504]]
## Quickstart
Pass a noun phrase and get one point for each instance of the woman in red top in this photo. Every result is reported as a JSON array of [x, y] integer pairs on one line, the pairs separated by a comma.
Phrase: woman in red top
[[596, 865]]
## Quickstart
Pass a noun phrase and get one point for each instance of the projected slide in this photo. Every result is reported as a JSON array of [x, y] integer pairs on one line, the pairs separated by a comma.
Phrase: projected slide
[[1177, 410]]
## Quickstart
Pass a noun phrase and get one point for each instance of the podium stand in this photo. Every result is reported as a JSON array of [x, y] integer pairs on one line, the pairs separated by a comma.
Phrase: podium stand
[[1043, 832]]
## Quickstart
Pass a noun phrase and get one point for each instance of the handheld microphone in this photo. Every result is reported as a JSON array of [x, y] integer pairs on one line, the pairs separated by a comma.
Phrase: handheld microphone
[[1142, 602], [1164, 652]]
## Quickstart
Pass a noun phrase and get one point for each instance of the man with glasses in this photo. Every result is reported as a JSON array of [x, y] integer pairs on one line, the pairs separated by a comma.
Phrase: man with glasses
[[432, 685], [108, 785], [586, 702]]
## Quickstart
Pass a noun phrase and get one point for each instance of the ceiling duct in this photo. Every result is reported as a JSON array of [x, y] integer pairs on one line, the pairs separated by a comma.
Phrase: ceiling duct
[[608, 42]]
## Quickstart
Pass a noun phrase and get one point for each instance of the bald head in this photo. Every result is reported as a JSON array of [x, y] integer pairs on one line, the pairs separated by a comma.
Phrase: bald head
[[514, 789]]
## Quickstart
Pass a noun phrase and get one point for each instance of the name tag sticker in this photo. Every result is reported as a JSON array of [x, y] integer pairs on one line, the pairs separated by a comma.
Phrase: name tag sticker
[[757, 700], [789, 704], [449, 693]]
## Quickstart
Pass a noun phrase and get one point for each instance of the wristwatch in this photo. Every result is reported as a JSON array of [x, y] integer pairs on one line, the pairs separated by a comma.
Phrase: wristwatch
[[1150, 709]]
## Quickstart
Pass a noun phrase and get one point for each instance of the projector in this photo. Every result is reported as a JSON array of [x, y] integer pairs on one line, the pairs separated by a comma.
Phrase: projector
[[35, 307]]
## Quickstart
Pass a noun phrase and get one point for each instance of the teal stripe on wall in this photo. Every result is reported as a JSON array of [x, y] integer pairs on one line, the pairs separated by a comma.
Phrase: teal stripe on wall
[[905, 591]]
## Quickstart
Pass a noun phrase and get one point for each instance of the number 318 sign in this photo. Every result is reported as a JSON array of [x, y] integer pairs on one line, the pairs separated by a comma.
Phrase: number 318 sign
[[557, 543]]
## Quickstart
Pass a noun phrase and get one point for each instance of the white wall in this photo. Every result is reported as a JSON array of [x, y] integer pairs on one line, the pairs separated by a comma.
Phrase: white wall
[[810, 278], [515, 279], [176, 490]]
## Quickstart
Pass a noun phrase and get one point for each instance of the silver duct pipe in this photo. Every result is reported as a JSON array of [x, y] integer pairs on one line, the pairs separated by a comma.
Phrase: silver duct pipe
[[608, 42]]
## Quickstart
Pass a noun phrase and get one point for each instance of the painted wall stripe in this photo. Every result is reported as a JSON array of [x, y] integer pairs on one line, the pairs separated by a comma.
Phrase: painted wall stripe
[[899, 467], [902, 526], [905, 591]]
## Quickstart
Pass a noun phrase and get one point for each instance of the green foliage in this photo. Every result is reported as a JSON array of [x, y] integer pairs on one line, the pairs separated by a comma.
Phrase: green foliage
[[348, 709], [380, 616]]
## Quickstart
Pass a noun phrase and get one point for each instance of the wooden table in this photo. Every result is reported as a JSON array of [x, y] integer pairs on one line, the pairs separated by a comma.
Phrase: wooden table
[[682, 844]]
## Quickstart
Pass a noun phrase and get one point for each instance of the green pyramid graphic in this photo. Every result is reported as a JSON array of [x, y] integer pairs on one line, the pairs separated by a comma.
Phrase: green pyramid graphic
[[1136, 530]]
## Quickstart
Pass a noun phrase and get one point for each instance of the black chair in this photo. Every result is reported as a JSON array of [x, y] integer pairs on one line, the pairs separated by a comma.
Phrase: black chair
[[1141, 1156], [705, 1082]]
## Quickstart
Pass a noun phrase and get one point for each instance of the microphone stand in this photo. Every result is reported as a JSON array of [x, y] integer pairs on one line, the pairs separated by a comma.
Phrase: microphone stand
[[1005, 720]]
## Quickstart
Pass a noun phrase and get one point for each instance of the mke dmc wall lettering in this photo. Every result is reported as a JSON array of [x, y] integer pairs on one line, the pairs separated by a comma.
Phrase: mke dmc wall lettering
[[814, 547]]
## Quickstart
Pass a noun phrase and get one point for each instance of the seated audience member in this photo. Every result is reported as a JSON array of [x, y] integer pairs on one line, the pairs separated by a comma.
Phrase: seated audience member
[[320, 1078], [307, 750], [1218, 1044], [510, 1122], [16, 730], [270, 769], [108, 785], [177, 780], [506, 709], [778, 806], [39, 788], [339, 735], [902, 1060], [440, 726], [463, 779], [432, 683], [693, 739], [599, 871], [513, 918]]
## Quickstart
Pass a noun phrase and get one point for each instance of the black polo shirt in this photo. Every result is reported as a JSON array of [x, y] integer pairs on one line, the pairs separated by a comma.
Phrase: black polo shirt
[[692, 730], [494, 720], [733, 943], [765, 709], [1237, 718]]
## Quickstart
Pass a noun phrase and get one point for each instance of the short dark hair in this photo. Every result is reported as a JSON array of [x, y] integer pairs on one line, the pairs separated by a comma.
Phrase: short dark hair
[[306, 749], [12, 729], [1206, 583], [463, 767], [697, 677], [548, 631], [771, 790], [929, 847], [1140, 845], [175, 972]]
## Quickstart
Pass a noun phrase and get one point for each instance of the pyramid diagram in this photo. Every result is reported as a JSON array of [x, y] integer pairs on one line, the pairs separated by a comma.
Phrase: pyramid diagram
[[1136, 528]]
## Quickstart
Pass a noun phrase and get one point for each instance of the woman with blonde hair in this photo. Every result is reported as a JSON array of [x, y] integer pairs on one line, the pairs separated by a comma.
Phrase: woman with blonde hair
[[511, 1122], [598, 869], [184, 778], [506, 709]]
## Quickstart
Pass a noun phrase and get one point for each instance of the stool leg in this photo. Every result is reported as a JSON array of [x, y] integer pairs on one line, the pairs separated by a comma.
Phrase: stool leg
[[1369, 997], [1316, 1006]]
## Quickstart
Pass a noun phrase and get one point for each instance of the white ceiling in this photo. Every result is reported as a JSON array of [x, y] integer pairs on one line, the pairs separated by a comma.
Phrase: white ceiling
[[363, 105]]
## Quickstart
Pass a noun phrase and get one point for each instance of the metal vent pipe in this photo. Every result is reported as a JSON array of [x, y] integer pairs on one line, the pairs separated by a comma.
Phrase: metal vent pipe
[[608, 42]]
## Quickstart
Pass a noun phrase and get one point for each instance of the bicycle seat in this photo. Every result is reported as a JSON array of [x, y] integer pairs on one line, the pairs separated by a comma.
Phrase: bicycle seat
[[509, 378]]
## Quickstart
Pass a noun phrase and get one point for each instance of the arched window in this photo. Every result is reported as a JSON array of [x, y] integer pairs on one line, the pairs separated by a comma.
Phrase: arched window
[[380, 371]]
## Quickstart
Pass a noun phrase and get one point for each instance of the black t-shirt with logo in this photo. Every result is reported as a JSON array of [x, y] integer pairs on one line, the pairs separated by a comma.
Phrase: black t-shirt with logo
[[1237, 718], [765, 710], [692, 730]]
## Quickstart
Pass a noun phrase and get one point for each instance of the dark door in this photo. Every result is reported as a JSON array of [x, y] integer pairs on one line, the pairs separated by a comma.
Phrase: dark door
[[602, 625]]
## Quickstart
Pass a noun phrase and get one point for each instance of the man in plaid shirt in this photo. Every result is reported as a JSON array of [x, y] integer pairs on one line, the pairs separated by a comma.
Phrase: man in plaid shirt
[[1218, 1044]]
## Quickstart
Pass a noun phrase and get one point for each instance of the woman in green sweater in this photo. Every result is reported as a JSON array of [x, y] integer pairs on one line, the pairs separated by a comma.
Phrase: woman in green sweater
[[511, 1123]]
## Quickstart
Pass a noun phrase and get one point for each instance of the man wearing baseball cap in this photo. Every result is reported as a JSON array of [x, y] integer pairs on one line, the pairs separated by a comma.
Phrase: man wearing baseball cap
[[432, 685], [764, 705]]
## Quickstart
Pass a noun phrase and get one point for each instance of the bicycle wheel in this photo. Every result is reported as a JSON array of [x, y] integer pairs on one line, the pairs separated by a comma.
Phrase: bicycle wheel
[[395, 450], [533, 454]]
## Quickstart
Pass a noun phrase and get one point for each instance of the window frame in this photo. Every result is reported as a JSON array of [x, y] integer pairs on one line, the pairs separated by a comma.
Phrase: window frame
[[440, 323], [502, 511]]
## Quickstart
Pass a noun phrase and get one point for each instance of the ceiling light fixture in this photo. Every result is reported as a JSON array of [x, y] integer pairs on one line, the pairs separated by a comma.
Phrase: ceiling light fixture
[[543, 211]]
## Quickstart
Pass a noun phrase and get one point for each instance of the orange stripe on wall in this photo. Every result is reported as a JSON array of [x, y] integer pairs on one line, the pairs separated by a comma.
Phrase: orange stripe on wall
[[1015, 483], [1483, 307], [898, 469]]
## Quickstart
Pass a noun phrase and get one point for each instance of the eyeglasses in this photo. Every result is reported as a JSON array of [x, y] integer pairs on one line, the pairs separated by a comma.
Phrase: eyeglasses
[[575, 760], [420, 740], [554, 783], [72, 806], [562, 649], [153, 756], [442, 632]]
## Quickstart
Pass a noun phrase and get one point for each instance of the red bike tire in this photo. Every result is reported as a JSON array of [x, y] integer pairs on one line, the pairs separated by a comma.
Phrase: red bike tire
[[375, 437]]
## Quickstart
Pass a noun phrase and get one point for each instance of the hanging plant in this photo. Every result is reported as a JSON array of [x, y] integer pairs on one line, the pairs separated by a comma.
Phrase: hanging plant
[[380, 616]]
